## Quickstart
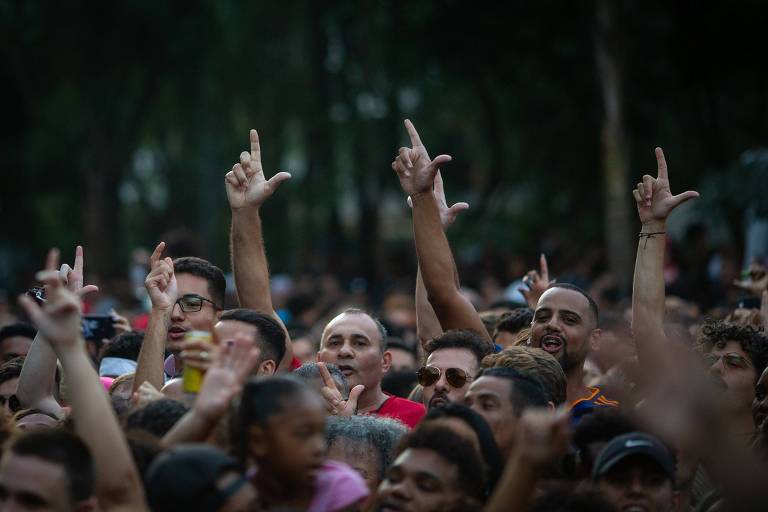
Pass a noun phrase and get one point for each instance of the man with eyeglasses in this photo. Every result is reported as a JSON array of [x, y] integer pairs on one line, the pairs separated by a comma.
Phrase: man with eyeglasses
[[736, 356], [186, 295], [453, 360]]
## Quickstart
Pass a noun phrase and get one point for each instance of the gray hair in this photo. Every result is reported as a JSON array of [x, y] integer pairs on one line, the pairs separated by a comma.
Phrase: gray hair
[[381, 434], [311, 371]]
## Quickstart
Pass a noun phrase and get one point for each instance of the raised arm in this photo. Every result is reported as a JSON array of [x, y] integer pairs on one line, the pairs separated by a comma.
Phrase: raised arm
[[416, 173], [247, 190], [427, 324], [223, 381], [654, 202], [163, 292], [37, 380], [118, 485]]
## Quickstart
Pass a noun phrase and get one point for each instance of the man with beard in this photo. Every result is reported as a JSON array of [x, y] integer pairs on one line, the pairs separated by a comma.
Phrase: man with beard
[[453, 360], [356, 343], [566, 314], [564, 325]]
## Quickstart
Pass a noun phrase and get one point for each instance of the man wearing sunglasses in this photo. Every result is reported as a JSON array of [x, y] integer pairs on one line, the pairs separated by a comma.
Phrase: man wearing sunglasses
[[453, 360], [186, 295]]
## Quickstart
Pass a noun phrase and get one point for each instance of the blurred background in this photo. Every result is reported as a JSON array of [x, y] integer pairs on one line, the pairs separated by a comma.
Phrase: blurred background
[[120, 120]]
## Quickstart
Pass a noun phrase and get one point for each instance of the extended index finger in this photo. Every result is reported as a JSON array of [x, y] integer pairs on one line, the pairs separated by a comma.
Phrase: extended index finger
[[255, 149], [52, 260], [661, 164], [78, 259], [544, 268], [157, 253], [326, 375], [413, 134]]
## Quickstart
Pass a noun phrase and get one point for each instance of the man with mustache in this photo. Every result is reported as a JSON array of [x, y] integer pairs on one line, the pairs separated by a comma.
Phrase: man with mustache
[[356, 343], [453, 360]]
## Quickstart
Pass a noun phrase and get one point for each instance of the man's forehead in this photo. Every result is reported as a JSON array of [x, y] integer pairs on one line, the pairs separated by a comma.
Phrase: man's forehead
[[454, 357], [229, 328], [352, 323], [190, 283], [421, 460], [563, 298], [490, 385]]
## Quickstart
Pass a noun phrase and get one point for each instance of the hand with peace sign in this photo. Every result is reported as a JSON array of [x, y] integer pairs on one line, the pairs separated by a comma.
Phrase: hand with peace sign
[[413, 166], [653, 196], [537, 283], [161, 280], [335, 402], [246, 183]]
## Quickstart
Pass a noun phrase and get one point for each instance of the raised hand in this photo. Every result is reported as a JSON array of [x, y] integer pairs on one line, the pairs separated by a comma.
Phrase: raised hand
[[414, 169], [246, 183], [73, 276], [59, 317], [756, 282], [542, 435], [653, 196], [226, 377], [335, 402], [161, 280], [146, 394], [537, 283]]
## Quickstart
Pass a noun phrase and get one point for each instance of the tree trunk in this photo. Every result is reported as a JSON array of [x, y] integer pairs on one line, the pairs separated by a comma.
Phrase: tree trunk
[[614, 145]]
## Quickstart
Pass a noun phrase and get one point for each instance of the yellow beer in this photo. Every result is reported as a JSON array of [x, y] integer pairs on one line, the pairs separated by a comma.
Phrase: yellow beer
[[193, 377]]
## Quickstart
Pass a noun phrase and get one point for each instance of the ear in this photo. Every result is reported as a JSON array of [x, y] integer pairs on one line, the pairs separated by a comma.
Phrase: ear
[[258, 445], [551, 406], [594, 339], [267, 367], [386, 360]]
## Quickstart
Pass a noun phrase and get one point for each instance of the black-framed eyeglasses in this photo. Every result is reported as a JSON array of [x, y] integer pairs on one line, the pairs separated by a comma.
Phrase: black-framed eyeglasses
[[456, 377], [731, 360], [193, 303]]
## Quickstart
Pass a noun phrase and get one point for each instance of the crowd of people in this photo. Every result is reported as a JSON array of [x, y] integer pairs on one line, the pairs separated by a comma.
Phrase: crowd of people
[[550, 403]]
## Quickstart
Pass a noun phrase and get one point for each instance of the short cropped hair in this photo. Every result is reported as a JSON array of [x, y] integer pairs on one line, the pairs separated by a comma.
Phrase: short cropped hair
[[460, 338], [126, 345], [11, 369], [378, 433], [514, 321], [64, 449], [525, 391], [157, 417], [217, 283], [17, 329], [271, 333], [716, 333], [311, 371], [456, 450], [534, 362], [590, 300]]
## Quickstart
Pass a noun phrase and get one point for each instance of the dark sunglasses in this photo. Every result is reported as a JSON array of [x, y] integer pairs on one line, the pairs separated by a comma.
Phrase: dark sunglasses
[[733, 361], [456, 377], [12, 401], [193, 303]]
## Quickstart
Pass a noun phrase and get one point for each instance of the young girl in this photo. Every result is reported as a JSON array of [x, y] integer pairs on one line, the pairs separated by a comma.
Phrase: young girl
[[281, 430]]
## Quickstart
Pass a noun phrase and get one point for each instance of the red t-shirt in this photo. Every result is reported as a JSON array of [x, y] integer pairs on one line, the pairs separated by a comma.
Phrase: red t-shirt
[[407, 411]]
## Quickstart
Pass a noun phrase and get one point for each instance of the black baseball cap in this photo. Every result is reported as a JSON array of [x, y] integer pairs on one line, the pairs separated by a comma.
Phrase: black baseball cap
[[634, 443], [184, 478]]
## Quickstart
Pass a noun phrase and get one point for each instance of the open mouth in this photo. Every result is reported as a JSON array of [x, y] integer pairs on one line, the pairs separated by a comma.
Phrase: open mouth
[[176, 332], [634, 508], [551, 343]]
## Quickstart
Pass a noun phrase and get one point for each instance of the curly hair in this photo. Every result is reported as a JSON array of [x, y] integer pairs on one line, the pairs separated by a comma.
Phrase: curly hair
[[456, 450], [716, 333], [535, 362]]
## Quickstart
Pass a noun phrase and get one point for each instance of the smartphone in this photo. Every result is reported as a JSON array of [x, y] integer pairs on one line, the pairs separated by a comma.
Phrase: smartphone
[[98, 327]]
